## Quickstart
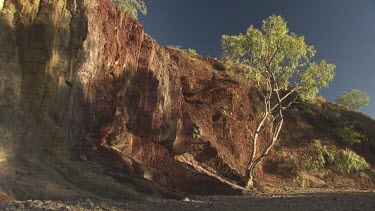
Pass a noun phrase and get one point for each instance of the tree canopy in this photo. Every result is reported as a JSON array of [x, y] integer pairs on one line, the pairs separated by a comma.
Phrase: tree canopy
[[132, 6], [275, 52], [354, 99]]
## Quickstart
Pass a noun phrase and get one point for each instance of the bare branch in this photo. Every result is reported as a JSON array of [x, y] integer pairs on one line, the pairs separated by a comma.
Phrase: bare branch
[[271, 122], [290, 103], [276, 51]]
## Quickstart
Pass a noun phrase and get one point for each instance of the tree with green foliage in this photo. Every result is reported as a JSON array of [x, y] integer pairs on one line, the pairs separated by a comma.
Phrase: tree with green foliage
[[132, 6], [354, 99], [281, 62]]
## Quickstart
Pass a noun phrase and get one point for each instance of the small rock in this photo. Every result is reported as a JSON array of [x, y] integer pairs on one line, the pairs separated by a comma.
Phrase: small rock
[[105, 206], [29, 203], [59, 205], [49, 206], [37, 203], [83, 158], [21, 206], [11, 208], [186, 199], [88, 201]]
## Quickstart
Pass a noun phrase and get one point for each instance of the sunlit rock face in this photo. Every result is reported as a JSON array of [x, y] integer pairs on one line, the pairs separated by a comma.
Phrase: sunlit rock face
[[118, 95]]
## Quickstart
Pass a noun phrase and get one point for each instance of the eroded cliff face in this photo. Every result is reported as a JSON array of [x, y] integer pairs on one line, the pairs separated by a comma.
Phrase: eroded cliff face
[[114, 95]]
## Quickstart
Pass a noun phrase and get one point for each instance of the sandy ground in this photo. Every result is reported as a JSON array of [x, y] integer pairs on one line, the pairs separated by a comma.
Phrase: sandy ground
[[305, 201]]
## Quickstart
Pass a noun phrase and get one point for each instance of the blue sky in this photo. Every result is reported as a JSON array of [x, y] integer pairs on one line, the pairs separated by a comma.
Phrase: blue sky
[[342, 31]]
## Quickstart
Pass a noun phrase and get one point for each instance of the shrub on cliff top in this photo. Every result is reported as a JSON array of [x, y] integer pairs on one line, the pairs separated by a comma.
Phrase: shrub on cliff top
[[354, 99], [179, 48], [132, 6]]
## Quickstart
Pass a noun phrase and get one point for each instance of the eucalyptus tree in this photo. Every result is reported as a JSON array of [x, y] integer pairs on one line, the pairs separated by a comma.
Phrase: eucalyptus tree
[[354, 99], [132, 6], [281, 63]]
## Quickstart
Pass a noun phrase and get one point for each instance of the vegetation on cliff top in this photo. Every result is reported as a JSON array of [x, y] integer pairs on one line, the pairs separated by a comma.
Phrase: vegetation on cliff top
[[132, 6], [179, 48], [354, 99]]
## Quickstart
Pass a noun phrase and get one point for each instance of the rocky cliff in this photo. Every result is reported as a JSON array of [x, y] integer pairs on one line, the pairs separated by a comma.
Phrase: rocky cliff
[[88, 71], [91, 105]]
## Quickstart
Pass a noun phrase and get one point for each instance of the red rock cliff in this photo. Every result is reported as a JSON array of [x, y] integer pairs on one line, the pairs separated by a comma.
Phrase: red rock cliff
[[124, 102]]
